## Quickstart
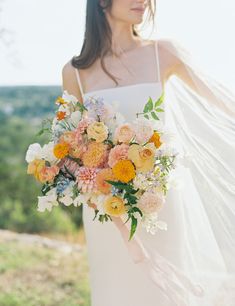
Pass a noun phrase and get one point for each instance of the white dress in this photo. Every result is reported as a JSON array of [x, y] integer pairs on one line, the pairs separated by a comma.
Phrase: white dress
[[115, 279]]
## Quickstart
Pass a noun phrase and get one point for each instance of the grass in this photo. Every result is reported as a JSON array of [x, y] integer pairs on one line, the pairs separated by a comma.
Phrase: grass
[[38, 276]]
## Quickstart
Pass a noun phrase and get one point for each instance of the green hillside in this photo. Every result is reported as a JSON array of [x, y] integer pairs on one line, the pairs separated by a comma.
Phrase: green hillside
[[22, 109]]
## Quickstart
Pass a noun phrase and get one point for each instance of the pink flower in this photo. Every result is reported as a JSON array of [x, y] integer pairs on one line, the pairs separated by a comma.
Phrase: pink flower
[[86, 179], [68, 137], [151, 202], [143, 129], [77, 149], [71, 165], [76, 144], [124, 133], [117, 153], [82, 126]]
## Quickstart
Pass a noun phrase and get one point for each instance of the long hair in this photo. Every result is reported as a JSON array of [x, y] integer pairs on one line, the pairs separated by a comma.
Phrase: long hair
[[98, 35]]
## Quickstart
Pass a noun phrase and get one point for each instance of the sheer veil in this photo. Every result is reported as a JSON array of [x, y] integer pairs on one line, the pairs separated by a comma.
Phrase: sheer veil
[[201, 113]]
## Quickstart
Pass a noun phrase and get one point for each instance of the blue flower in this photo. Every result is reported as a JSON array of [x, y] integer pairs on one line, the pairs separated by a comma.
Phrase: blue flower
[[114, 190], [62, 184], [95, 106]]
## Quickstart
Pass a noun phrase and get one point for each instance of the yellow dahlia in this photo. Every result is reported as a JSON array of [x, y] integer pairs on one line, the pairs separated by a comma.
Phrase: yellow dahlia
[[124, 170], [114, 206]]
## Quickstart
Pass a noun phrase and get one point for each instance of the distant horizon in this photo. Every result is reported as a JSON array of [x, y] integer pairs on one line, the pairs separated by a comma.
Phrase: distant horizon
[[32, 85], [38, 54]]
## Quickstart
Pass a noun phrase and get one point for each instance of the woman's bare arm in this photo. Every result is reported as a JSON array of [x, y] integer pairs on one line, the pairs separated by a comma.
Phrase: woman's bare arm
[[69, 81]]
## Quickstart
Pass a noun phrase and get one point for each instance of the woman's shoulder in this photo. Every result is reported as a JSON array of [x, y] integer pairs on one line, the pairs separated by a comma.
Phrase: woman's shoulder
[[168, 44], [68, 69], [69, 80], [169, 49]]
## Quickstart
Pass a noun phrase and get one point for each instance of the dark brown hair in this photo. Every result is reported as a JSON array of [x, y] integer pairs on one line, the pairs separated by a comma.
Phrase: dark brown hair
[[98, 35]]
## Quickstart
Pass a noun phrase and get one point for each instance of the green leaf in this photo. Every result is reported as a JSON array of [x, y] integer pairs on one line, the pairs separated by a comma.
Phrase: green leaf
[[130, 198], [101, 218], [146, 116], [160, 100], [133, 226], [149, 105], [96, 214], [119, 185], [44, 189], [159, 110], [108, 141], [127, 219], [136, 209], [153, 114], [81, 106], [42, 131]]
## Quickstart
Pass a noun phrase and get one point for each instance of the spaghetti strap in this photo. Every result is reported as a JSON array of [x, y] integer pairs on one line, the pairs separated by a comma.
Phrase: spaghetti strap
[[79, 81], [157, 60]]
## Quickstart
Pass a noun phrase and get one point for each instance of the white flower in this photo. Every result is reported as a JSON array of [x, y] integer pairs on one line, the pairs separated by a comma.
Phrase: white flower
[[34, 152], [75, 118], [168, 137], [54, 124], [47, 152], [114, 122], [151, 223], [111, 116], [67, 196], [143, 129], [141, 182], [99, 200], [64, 108], [81, 199], [67, 199], [175, 181], [166, 150], [69, 98], [48, 201]]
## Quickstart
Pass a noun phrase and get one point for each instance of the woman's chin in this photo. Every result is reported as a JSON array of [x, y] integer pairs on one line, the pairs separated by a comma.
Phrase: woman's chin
[[138, 20]]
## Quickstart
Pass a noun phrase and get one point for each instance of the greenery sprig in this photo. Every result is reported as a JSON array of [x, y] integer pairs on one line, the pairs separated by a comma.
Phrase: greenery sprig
[[129, 195], [151, 108]]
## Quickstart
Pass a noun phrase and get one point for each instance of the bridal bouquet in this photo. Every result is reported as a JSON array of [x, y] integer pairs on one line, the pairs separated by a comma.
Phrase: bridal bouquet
[[96, 158]]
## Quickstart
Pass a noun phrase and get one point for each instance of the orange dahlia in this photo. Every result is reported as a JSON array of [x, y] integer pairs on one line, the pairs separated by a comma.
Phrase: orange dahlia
[[155, 138], [95, 154], [124, 170], [60, 115], [61, 150], [101, 177]]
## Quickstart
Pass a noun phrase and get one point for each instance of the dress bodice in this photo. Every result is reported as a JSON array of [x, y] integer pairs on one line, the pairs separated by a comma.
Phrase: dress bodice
[[131, 99]]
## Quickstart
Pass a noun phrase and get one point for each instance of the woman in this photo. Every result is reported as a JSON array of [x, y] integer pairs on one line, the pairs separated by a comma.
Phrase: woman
[[198, 248]]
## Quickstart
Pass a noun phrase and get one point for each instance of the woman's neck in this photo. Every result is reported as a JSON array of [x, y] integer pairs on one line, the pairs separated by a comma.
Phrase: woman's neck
[[123, 38]]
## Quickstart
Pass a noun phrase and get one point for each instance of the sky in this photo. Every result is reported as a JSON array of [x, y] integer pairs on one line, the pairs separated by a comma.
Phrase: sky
[[44, 35]]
